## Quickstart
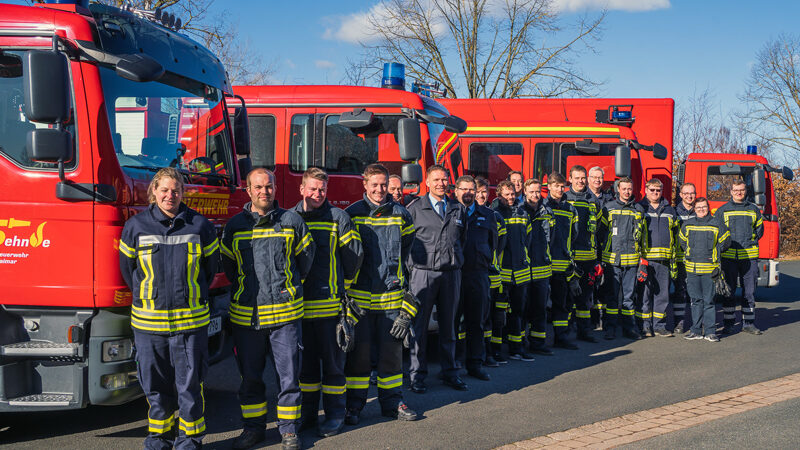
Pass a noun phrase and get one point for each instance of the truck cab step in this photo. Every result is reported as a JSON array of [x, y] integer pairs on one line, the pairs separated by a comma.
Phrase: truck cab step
[[42, 400], [40, 349]]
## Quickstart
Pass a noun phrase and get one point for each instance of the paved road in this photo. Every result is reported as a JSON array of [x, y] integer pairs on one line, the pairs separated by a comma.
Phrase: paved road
[[524, 399]]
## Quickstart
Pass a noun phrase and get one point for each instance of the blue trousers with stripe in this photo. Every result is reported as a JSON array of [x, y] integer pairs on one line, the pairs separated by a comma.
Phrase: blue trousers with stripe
[[655, 296], [251, 348], [745, 273], [374, 328], [171, 371], [322, 370], [536, 311], [621, 300]]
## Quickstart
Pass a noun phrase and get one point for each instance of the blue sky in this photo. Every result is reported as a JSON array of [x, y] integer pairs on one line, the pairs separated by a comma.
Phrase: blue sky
[[649, 48]]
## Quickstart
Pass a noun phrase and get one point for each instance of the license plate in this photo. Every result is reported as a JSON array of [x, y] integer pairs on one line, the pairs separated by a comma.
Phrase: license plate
[[215, 326]]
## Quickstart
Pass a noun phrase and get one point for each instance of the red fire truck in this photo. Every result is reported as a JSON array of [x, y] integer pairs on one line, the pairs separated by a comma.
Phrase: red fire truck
[[520, 134], [93, 101], [343, 129]]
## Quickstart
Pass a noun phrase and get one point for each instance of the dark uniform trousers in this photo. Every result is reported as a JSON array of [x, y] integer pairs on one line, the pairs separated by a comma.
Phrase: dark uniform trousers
[[536, 311], [681, 301], [602, 292], [701, 291], [251, 350], [374, 329], [745, 270], [517, 299], [655, 296], [473, 307], [583, 302], [621, 300], [320, 349], [440, 288], [559, 293], [171, 370]]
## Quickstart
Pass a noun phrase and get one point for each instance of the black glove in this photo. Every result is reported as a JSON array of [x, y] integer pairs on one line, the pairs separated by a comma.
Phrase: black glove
[[410, 338], [352, 310], [498, 317], [345, 333], [720, 285], [401, 326], [641, 274], [716, 273], [575, 287]]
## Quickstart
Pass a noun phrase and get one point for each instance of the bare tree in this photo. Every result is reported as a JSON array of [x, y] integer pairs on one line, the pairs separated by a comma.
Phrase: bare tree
[[772, 93], [217, 32], [503, 48]]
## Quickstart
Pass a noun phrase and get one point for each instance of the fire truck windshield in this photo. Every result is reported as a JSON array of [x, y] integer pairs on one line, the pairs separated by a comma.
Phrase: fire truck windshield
[[14, 126], [718, 187], [174, 122]]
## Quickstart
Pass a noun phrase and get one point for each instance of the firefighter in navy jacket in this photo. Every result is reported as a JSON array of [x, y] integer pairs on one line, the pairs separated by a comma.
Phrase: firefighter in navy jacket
[[515, 273], [542, 222], [336, 262], [680, 300], [746, 225], [168, 257], [584, 247], [704, 239], [659, 252], [602, 282], [268, 252], [622, 230], [479, 251], [386, 232], [435, 261]]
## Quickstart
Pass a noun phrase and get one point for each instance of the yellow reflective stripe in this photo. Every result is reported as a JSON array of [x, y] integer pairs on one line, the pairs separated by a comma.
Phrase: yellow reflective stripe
[[146, 263], [357, 382], [380, 221], [209, 249], [405, 231], [288, 412], [328, 307], [347, 237], [267, 314], [581, 314], [538, 334], [390, 382], [659, 315], [256, 410], [226, 251], [496, 340], [169, 320], [160, 426], [514, 338], [517, 220], [487, 334], [192, 428], [333, 390], [310, 387], [303, 244], [627, 312], [553, 129], [193, 273], [126, 250], [560, 323], [612, 311]]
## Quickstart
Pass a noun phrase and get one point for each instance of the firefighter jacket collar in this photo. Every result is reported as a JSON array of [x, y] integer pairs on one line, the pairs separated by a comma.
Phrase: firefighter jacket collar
[[663, 203], [585, 194], [683, 212], [624, 204], [158, 215], [387, 205], [323, 209], [269, 217]]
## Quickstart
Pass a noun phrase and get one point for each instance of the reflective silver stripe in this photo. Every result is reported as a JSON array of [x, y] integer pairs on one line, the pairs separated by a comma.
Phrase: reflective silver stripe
[[169, 240], [652, 214]]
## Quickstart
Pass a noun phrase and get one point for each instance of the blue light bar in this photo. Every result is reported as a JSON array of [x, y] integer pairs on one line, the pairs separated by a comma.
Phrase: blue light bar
[[621, 115], [83, 3], [752, 150], [394, 76]]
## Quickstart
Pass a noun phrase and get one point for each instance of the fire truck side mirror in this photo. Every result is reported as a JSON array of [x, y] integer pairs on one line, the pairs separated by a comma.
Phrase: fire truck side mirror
[[787, 173], [49, 145], [46, 86], [760, 200], [622, 161], [409, 140], [759, 181], [659, 151], [411, 173], [241, 130], [455, 124]]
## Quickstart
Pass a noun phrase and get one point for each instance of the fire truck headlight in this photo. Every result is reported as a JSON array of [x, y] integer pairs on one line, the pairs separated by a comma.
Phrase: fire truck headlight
[[118, 350]]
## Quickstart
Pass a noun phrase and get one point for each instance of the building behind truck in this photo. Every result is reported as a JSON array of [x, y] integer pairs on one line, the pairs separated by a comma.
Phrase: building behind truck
[[93, 101]]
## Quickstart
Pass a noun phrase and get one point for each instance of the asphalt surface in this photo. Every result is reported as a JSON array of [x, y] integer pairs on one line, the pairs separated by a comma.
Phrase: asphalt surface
[[523, 400]]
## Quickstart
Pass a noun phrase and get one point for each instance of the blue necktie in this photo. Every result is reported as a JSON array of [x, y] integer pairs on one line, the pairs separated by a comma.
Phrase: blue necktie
[[440, 208]]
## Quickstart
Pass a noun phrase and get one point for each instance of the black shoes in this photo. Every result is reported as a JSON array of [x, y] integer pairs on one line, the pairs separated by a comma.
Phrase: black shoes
[[455, 382], [418, 387], [491, 362], [541, 350], [631, 334], [751, 329], [500, 358], [611, 334], [520, 355], [330, 427], [586, 337], [663, 333], [565, 344], [351, 417], [402, 412], [479, 373], [248, 438], [290, 441]]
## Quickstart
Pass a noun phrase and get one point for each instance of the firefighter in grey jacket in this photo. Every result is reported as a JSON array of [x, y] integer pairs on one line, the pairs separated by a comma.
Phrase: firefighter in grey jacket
[[740, 261], [703, 239], [622, 230], [336, 262], [268, 253], [435, 261]]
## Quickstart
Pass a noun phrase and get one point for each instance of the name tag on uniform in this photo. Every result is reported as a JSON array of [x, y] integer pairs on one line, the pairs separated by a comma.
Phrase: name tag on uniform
[[458, 222], [614, 231]]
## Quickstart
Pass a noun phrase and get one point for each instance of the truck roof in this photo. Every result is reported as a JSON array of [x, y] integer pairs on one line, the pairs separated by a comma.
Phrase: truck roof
[[335, 95], [550, 128], [727, 157]]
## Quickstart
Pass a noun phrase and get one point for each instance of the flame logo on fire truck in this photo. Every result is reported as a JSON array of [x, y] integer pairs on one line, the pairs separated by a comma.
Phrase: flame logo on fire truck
[[35, 239]]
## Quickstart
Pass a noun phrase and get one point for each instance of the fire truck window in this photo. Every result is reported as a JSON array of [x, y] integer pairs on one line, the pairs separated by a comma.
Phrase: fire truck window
[[174, 122], [14, 126], [718, 187], [493, 160], [301, 143], [567, 150], [262, 141], [455, 163], [349, 151], [542, 161]]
